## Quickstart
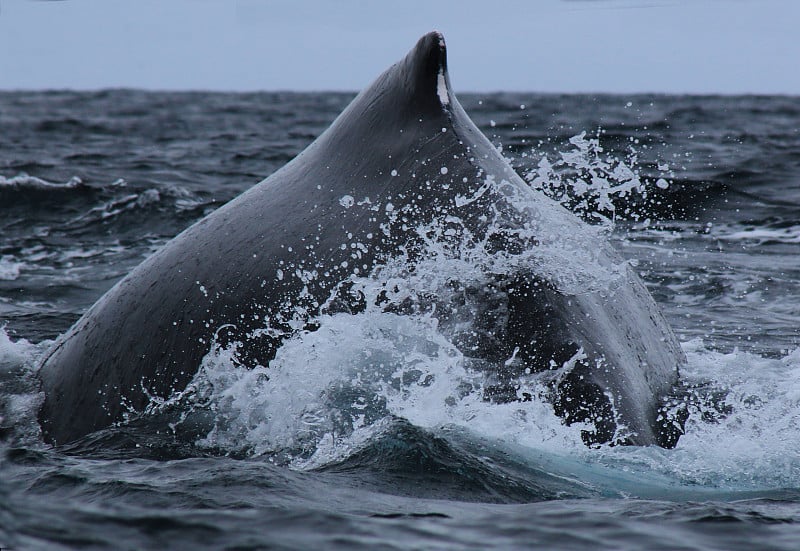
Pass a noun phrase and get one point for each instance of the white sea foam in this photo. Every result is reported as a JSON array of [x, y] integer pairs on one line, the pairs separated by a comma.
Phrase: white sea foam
[[24, 180], [19, 391], [9, 268], [787, 235], [328, 391], [744, 438], [14, 354]]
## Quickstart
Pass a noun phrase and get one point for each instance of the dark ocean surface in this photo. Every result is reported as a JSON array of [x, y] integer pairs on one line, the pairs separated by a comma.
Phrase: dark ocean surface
[[700, 194]]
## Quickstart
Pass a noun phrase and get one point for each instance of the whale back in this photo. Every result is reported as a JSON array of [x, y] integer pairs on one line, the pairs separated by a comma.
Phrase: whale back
[[402, 155]]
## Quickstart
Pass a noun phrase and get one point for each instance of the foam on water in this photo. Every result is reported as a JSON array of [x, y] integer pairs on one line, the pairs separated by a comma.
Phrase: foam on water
[[9, 268], [26, 181], [745, 437], [742, 430], [19, 391], [787, 235]]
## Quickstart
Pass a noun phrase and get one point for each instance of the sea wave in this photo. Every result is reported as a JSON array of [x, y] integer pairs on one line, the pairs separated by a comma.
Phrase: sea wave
[[25, 181]]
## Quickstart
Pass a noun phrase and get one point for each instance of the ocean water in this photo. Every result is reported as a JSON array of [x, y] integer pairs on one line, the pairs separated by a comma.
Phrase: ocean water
[[348, 439]]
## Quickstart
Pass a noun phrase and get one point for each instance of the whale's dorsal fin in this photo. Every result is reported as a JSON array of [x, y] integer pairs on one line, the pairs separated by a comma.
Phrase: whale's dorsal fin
[[425, 67]]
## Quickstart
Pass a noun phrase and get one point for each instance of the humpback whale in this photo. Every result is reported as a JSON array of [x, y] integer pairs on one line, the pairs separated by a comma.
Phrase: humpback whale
[[402, 156]]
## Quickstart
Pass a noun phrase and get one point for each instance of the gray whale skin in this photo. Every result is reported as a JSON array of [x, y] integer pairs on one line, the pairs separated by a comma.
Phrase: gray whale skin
[[217, 279]]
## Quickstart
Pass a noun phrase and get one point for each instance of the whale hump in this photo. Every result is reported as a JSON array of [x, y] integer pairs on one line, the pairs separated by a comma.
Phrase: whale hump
[[403, 155]]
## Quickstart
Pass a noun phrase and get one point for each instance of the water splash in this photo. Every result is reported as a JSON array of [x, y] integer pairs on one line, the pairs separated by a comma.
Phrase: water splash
[[19, 390], [328, 391], [596, 185], [742, 429]]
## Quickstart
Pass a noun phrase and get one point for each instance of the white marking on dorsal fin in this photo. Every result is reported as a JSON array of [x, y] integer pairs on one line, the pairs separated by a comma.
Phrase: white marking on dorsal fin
[[441, 88]]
